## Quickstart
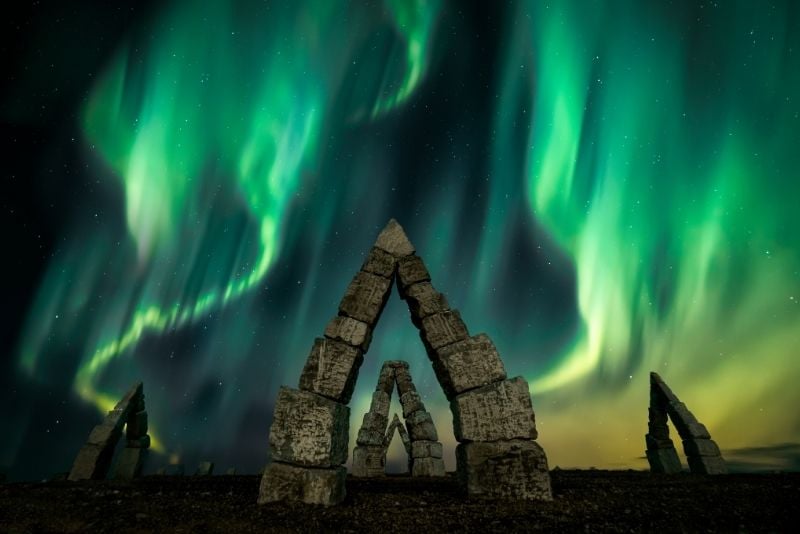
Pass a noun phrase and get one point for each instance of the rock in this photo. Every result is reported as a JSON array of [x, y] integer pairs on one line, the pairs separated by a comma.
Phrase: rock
[[331, 370], [423, 300], [137, 425], [468, 364], [386, 380], [707, 465], [403, 380], [231, 471], [283, 482], [365, 297], [139, 443], [507, 469], [380, 262], [370, 436], [499, 411], [658, 443], [393, 239], [427, 467], [663, 460], [426, 449], [106, 432], [420, 427], [411, 270], [369, 461], [309, 430], [349, 330], [411, 402], [396, 364], [375, 421], [442, 329], [129, 463], [398, 426], [205, 469], [700, 447], [380, 404]]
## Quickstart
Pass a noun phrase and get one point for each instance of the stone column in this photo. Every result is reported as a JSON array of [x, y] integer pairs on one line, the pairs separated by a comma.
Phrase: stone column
[[131, 459], [426, 450]]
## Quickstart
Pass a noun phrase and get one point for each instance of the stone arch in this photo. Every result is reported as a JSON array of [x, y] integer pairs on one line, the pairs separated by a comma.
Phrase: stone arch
[[94, 459], [702, 453], [421, 440], [493, 419]]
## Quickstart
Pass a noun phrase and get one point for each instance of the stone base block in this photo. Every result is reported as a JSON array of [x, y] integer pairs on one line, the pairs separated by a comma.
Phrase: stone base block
[[499, 411], [707, 465], [284, 482], [129, 463], [309, 429], [426, 449], [664, 461], [427, 467], [513, 469], [369, 461]]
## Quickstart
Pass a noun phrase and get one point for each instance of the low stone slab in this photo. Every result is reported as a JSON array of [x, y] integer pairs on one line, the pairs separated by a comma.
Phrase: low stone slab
[[499, 411], [442, 329], [410, 270], [393, 239], [309, 430], [129, 463], [331, 369], [423, 300], [468, 364], [205, 469], [351, 331], [426, 449], [411, 402], [700, 447], [365, 297], [380, 262], [420, 427], [283, 482], [514, 469], [663, 461], [427, 467], [707, 465]]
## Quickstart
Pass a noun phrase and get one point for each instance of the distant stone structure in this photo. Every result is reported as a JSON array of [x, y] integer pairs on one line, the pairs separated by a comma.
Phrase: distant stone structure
[[702, 453], [421, 439], [94, 458], [497, 455], [205, 469]]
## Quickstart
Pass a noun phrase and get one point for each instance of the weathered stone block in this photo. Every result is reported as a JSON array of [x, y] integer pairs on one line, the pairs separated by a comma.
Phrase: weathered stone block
[[420, 427], [442, 329], [365, 297], [396, 364], [663, 461], [129, 463], [514, 469], [658, 430], [137, 425], [499, 411], [707, 465], [425, 449], [331, 369], [380, 262], [404, 383], [423, 300], [308, 429], [283, 482], [656, 416], [369, 436], [658, 443], [411, 402], [351, 331], [427, 467], [369, 461], [468, 364], [375, 421], [700, 447], [139, 443], [205, 469], [92, 462], [380, 403], [393, 239], [411, 270], [106, 433]]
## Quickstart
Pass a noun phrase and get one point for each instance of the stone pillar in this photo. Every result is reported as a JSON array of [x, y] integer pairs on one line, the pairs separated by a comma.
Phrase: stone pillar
[[369, 456], [132, 457]]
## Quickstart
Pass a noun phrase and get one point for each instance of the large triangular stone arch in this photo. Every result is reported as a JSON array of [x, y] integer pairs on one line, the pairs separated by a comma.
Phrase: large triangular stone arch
[[702, 453], [493, 419]]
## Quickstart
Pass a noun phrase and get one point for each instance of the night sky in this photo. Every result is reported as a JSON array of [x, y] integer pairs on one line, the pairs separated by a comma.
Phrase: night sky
[[604, 188]]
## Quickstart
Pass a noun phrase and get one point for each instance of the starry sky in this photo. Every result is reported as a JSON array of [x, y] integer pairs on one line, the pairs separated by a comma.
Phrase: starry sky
[[604, 188]]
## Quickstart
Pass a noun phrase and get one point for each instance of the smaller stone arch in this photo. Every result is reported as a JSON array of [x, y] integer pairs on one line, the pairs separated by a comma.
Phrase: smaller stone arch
[[421, 439], [702, 453], [94, 459]]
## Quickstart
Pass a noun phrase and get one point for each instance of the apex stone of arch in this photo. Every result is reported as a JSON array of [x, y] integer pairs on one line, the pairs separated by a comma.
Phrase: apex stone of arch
[[94, 458], [497, 455], [702, 453], [419, 436]]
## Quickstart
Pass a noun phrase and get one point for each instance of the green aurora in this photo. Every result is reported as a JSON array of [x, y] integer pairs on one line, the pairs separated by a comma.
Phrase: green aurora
[[648, 154]]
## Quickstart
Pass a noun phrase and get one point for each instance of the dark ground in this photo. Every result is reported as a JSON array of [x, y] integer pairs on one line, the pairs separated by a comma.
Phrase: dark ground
[[615, 501]]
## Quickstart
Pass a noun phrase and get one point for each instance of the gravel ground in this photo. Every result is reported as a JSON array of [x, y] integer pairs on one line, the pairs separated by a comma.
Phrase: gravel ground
[[609, 501]]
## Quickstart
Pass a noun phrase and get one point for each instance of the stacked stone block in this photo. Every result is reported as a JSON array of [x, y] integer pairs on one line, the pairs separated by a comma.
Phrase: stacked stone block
[[94, 459], [702, 453]]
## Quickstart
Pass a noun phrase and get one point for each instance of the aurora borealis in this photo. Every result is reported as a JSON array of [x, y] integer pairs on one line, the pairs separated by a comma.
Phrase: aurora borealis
[[605, 188]]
